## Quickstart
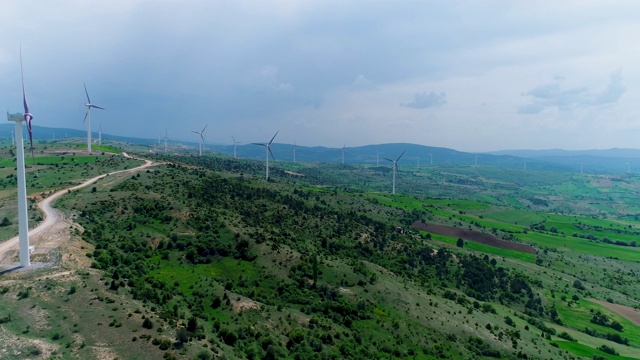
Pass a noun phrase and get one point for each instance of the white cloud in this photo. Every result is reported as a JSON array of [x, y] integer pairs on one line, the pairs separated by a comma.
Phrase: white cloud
[[424, 100]]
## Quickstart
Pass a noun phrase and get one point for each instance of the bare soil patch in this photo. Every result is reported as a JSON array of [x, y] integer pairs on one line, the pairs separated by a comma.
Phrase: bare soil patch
[[475, 236], [627, 312]]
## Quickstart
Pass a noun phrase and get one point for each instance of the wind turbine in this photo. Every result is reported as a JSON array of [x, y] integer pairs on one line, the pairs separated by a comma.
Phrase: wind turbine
[[234, 146], [13, 137], [268, 151], [294, 152], [377, 158], [201, 133], [100, 135], [628, 167], [395, 168], [23, 220], [165, 138], [343, 146], [581, 168], [89, 105], [431, 159]]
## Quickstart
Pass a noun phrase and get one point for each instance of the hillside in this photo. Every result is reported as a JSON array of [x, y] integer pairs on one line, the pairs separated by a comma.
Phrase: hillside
[[202, 257]]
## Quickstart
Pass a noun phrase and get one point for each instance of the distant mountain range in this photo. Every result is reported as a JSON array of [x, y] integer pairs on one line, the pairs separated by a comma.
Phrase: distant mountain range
[[609, 161]]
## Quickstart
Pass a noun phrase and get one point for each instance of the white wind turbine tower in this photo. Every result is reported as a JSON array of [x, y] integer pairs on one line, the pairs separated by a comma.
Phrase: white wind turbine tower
[[201, 133], [628, 167], [89, 105], [100, 135], [395, 169], [234, 146], [268, 151], [581, 168], [377, 158], [23, 219], [431, 159], [13, 137], [343, 146]]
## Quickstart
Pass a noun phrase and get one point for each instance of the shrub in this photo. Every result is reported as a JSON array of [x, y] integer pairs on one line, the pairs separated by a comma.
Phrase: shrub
[[147, 323], [566, 336], [608, 350]]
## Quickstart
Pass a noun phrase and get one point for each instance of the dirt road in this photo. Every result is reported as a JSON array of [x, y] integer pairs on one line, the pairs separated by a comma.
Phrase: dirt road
[[52, 216]]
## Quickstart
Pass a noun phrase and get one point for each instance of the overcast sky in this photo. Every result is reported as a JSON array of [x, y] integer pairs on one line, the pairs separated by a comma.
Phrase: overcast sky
[[469, 75]]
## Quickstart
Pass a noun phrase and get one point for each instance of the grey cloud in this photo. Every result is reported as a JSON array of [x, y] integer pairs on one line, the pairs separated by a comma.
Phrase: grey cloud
[[424, 100], [552, 96]]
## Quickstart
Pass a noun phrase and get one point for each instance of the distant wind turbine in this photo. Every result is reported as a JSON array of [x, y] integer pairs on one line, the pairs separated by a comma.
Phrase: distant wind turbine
[[165, 138], [377, 158], [628, 167], [343, 146], [100, 135], [23, 220], [268, 151], [395, 169], [581, 168], [294, 152], [87, 116], [13, 137], [201, 133], [234, 146], [431, 159]]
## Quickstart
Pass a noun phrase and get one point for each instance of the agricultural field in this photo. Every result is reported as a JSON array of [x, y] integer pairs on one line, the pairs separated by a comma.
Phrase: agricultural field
[[200, 257]]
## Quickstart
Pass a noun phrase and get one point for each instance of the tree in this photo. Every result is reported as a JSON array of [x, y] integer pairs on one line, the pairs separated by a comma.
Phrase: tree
[[147, 323], [192, 324], [5, 222], [315, 269], [182, 335], [460, 242]]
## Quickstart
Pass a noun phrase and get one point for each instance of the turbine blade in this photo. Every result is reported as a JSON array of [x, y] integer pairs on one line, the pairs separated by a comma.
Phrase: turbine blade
[[274, 136], [97, 107], [27, 115], [234, 139], [269, 148], [205, 128], [195, 132], [87, 93], [85, 115], [401, 155], [259, 144], [388, 159], [24, 93]]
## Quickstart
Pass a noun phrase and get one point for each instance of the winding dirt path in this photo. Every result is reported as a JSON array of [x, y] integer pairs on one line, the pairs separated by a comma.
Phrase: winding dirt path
[[53, 219]]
